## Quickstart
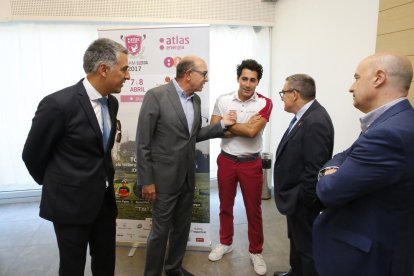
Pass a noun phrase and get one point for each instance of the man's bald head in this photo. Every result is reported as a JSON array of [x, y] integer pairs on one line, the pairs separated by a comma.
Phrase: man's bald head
[[397, 67], [191, 74], [380, 79], [187, 63]]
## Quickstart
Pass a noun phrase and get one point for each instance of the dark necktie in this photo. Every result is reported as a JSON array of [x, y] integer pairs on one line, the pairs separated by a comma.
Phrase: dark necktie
[[288, 129], [106, 128], [285, 135], [291, 124]]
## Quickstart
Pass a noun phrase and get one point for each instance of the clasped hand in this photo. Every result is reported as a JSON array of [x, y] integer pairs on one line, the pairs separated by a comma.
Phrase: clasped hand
[[230, 118]]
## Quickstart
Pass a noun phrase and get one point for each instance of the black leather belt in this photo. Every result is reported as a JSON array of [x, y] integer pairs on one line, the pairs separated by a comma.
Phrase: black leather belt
[[241, 158]]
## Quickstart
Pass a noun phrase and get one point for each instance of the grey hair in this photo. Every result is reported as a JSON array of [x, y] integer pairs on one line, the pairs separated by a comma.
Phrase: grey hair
[[304, 84], [102, 51]]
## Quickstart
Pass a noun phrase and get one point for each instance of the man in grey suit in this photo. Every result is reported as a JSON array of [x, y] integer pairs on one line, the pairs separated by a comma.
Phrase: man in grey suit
[[169, 126]]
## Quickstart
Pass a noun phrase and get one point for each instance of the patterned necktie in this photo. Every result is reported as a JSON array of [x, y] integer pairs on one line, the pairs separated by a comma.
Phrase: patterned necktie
[[106, 128]]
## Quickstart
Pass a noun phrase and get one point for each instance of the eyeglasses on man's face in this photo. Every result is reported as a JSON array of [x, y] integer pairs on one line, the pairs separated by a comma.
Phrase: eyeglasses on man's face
[[203, 73], [282, 93]]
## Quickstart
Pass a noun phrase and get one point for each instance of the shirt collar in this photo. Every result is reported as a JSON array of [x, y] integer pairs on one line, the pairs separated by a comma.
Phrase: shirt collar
[[371, 116], [180, 91], [93, 94], [252, 98], [303, 109]]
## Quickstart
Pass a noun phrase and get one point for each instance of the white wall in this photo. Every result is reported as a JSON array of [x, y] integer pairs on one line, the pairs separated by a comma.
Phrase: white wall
[[325, 39], [233, 45]]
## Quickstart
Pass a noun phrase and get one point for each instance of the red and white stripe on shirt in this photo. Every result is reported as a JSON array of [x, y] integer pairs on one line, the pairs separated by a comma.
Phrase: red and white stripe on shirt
[[257, 104]]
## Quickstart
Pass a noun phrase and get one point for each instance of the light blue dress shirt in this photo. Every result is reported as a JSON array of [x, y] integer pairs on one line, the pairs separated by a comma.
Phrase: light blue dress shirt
[[187, 104]]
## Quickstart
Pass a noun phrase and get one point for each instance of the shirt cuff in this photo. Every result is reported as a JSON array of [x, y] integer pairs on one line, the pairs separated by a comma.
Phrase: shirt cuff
[[222, 125], [322, 171]]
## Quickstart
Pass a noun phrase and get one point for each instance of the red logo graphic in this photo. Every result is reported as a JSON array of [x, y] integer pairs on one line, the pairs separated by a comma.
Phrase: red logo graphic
[[199, 239], [170, 61], [133, 43]]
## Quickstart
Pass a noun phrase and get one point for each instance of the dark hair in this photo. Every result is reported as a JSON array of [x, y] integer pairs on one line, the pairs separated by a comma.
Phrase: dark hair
[[102, 50], [252, 65], [304, 84]]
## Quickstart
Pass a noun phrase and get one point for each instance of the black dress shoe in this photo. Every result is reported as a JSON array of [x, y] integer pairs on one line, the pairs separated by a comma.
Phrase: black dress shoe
[[280, 273], [181, 272]]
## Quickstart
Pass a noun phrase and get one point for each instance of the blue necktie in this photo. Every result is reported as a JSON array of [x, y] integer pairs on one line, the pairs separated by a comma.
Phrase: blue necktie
[[106, 128], [291, 124]]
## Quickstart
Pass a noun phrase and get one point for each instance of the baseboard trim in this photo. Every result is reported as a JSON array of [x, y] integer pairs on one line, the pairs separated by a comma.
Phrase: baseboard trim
[[20, 196]]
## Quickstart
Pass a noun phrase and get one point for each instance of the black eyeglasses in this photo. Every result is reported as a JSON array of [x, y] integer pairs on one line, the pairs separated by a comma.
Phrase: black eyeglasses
[[119, 130], [203, 73], [282, 93]]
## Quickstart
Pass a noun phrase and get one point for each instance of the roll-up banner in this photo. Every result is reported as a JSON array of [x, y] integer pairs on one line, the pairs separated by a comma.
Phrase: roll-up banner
[[154, 53]]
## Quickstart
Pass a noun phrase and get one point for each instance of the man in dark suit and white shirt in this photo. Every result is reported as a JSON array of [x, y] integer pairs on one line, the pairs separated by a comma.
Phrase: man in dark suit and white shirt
[[306, 145], [169, 125], [68, 151], [368, 190]]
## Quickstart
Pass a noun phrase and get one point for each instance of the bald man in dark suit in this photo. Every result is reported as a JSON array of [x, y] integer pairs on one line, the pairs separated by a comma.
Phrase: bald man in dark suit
[[368, 190]]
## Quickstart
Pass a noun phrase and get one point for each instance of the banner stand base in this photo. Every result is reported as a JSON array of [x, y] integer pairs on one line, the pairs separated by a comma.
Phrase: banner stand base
[[133, 245], [198, 248]]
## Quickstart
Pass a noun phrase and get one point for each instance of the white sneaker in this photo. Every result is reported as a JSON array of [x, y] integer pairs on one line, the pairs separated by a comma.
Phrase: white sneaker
[[259, 264], [218, 251]]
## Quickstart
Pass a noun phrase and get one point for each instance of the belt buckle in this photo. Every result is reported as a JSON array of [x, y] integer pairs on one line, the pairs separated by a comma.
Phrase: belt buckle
[[245, 158]]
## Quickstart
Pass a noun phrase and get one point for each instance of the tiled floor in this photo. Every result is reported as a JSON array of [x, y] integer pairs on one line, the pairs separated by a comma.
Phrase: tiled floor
[[28, 244]]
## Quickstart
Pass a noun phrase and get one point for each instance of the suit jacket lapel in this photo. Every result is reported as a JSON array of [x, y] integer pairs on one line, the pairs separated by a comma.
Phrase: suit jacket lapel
[[197, 113], [397, 108], [90, 114], [295, 128], [176, 104], [112, 115], [282, 143]]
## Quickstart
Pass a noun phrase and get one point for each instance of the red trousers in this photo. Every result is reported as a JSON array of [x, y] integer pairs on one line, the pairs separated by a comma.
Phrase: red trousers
[[250, 176]]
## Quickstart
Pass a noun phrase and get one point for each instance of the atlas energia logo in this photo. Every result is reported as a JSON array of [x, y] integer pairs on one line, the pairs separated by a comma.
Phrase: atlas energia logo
[[174, 43]]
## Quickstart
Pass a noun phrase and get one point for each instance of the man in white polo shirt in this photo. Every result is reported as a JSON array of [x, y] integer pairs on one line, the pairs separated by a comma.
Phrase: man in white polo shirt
[[240, 162]]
